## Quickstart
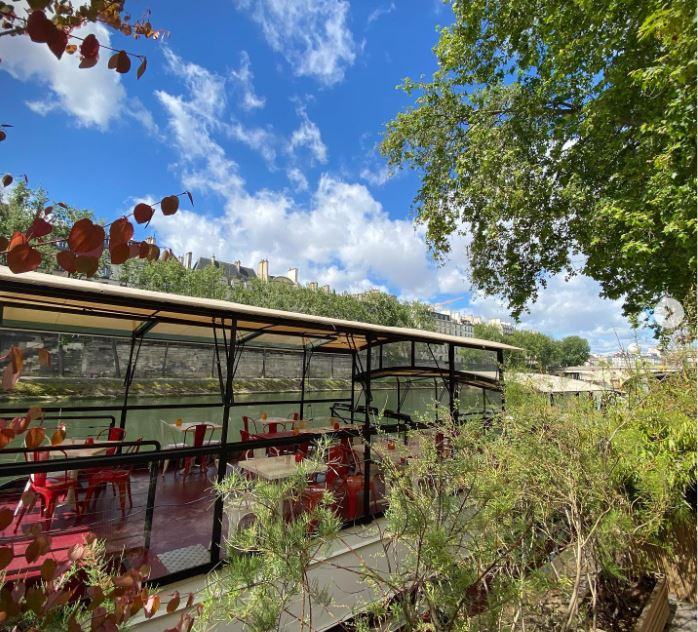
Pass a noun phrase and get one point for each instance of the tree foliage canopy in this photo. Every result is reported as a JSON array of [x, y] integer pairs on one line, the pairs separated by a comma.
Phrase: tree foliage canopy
[[561, 136]]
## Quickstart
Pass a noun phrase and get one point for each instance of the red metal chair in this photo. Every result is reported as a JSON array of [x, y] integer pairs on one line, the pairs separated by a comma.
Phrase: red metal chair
[[50, 489], [246, 424], [113, 433], [201, 435], [354, 485], [118, 477]]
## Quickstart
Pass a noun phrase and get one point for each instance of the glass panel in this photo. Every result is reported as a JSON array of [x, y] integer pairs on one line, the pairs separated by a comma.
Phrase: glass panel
[[477, 360], [431, 354], [396, 354]]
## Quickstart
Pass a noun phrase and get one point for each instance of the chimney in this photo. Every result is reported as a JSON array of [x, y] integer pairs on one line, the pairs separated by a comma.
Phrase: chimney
[[150, 240], [263, 270], [293, 275], [237, 265], [187, 260], [312, 285]]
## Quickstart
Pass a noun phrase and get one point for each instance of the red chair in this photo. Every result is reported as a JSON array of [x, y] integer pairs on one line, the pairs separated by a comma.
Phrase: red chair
[[50, 489], [118, 477], [113, 433], [201, 435], [354, 485], [246, 424]]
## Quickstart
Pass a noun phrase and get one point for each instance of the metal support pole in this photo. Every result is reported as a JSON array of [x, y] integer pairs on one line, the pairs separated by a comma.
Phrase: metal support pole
[[452, 408], [367, 431], [353, 384], [154, 470], [302, 404], [500, 362], [228, 401], [128, 378]]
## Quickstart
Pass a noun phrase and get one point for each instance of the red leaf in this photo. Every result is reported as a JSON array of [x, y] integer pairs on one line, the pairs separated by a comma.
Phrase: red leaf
[[153, 253], [9, 378], [6, 556], [58, 437], [23, 258], [39, 27], [151, 606], [134, 250], [89, 49], [169, 205], [20, 424], [120, 62], [141, 68], [17, 358], [35, 437], [3, 136], [17, 239], [44, 358], [32, 552], [4, 243], [57, 41], [85, 236], [48, 569], [76, 552], [173, 603], [191, 199], [87, 62], [143, 213], [87, 265], [7, 180], [120, 232], [39, 228], [119, 253], [6, 518], [6, 436], [66, 260], [34, 413], [143, 250]]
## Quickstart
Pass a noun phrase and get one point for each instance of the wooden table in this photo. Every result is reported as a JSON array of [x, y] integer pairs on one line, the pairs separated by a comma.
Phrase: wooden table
[[276, 468], [380, 448]]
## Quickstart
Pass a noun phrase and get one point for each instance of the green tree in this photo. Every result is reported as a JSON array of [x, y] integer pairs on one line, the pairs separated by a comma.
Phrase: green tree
[[561, 136], [574, 351]]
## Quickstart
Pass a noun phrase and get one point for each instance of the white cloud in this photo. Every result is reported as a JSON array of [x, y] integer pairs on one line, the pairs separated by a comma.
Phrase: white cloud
[[243, 77], [377, 177], [262, 140], [343, 236], [93, 96], [299, 181], [308, 135], [313, 35], [380, 11]]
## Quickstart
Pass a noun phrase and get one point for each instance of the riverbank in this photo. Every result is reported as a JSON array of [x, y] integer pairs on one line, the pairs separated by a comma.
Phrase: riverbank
[[78, 388]]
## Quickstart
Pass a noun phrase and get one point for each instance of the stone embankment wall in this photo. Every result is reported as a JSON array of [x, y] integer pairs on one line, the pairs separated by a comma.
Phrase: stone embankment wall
[[77, 356]]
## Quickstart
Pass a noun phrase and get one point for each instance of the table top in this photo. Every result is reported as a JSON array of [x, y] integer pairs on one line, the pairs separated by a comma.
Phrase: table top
[[276, 420], [86, 451], [380, 447], [274, 468], [191, 424]]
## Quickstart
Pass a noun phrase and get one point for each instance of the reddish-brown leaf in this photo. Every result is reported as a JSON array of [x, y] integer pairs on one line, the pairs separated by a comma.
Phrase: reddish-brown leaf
[[66, 260], [120, 232], [48, 569], [17, 239], [17, 358], [23, 259], [4, 243], [57, 41], [134, 250], [151, 606], [6, 517], [35, 437], [6, 556], [20, 424], [173, 603], [87, 265], [190, 600], [62, 205], [119, 253], [96, 253], [191, 199], [6, 436], [143, 249], [39, 228], [3, 136], [90, 47], [123, 581], [58, 436], [44, 357], [7, 180], [9, 378], [85, 236], [35, 600], [143, 213], [123, 62], [48, 210], [76, 552], [169, 204], [71, 49], [39, 27], [73, 625], [141, 68], [32, 552], [88, 62]]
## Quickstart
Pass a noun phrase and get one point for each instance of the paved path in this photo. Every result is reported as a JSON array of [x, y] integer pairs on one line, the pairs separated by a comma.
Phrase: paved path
[[683, 617]]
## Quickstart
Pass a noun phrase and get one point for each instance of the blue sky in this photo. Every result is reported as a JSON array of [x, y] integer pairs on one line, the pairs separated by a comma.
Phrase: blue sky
[[269, 111]]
